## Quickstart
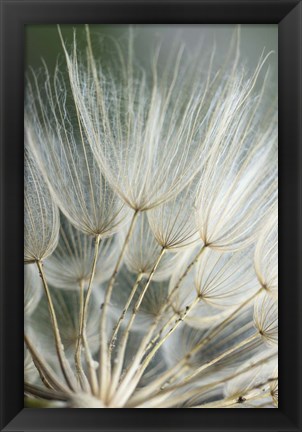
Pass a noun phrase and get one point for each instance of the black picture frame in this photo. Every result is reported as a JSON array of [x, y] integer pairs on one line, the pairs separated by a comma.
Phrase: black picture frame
[[17, 13]]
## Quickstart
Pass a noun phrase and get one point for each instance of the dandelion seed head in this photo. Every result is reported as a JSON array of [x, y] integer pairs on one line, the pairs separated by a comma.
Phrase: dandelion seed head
[[150, 197]]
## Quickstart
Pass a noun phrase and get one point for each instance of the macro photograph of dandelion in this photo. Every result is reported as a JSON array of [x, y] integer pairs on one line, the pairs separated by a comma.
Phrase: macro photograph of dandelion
[[151, 216]]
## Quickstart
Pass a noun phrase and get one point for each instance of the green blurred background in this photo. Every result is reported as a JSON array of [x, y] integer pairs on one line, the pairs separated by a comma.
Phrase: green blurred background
[[42, 41]]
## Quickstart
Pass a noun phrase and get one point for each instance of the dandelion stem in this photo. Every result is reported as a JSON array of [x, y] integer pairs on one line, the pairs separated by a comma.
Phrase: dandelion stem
[[216, 330], [156, 386], [187, 271], [65, 366], [221, 356], [43, 393], [127, 393], [142, 348], [159, 334], [121, 353], [83, 315], [146, 344], [77, 357], [172, 293], [104, 368], [139, 398], [47, 375], [172, 329], [89, 289], [150, 356], [123, 314], [224, 403], [213, 361], [91, 369], [181, 366]]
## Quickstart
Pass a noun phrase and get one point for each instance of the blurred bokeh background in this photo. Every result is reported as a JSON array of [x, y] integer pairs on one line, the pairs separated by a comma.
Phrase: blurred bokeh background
[[42, 41]]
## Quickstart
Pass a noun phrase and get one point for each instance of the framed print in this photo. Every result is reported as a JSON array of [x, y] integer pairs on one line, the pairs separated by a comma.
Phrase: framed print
[[160, 169]]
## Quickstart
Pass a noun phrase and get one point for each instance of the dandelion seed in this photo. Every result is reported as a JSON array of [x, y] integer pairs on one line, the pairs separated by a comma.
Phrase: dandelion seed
[[173, 222], [274, 387], [266, 318], [71, 262], [238, 182], [143, 250], [41, 216], [60, 150], [266, 256]]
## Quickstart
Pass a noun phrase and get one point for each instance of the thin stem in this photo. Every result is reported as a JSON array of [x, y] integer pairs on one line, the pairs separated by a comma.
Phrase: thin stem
[[172, 294], [216, 330], [91, 368], [65, 366], [104, 368], [30, 261], [122, 346], [141, 350], [160, 332], [146, 344], [43, 393], [155, 387], [48, 377], [124, 396], [186, 272], [181, 366], [83, 320], [220, 357], [89, 289], [43, 376], [172, 330], [224, 403], [77, 357], [123, 314], [150, 356], [34, 402], [139, 399]]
